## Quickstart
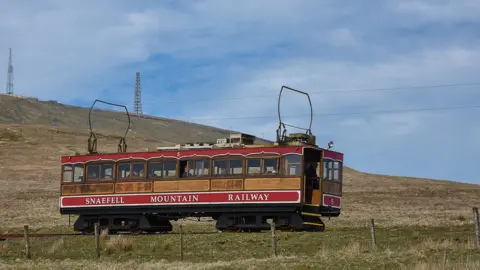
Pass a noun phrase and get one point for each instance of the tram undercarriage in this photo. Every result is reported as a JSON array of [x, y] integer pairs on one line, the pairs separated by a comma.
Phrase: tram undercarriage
[[255, 222], [225, 222], [139, 223]]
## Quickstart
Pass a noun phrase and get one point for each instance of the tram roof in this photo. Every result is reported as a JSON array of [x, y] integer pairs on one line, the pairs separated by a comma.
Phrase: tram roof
[[179, 153]]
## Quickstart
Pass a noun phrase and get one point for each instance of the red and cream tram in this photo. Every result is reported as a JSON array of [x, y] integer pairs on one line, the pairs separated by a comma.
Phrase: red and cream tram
[[234, 181]]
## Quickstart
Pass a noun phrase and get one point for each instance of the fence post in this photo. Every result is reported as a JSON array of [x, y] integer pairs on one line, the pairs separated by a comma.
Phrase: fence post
[[27, 241], [372, 232], [274, 238], [97, 239], [181, 242], [476, 220]]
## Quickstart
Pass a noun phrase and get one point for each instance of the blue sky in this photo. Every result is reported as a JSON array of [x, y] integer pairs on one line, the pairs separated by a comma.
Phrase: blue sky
[[76, 51]]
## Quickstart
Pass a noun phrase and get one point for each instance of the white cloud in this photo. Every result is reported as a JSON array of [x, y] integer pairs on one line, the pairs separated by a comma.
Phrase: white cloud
[[68, 43], [311, 75], [71, 50], [60, 44]]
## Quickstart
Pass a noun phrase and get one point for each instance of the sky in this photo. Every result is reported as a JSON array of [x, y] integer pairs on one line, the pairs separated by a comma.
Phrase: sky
[[223, 63]]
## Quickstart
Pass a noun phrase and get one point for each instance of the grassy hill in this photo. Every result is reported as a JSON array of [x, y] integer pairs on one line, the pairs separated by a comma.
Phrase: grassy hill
[[34, 134], [164, 131]]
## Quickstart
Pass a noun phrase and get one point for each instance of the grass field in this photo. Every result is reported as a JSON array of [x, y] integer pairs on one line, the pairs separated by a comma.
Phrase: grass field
[[337, 248], [421, 223]]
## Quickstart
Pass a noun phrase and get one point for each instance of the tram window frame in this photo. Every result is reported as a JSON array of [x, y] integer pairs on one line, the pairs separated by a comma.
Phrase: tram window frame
[[192, 164], [102, 171], [97, 170], [214, 171], [79, 167], [297, 163], [66, 166], [228, 173], [261, 169], [151, 174], [332, 170], [186, 164], [131, 176], [164, 164], [138, 177], [277, 164], [119, 174], [175, 170], [206, 164], [327, 169]]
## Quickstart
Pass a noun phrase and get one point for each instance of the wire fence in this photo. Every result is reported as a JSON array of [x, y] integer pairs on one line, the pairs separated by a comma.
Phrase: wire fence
[[193, 246]]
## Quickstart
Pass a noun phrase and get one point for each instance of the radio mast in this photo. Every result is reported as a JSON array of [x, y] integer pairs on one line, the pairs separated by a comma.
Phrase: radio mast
[[9, 86], [137, 103]]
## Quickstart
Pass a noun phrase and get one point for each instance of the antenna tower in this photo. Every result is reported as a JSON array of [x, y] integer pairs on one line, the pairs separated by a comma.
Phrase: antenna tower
[[137, 103], [9, 87]]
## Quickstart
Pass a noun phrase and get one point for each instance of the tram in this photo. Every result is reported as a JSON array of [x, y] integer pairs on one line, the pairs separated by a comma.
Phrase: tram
[[236, 182]]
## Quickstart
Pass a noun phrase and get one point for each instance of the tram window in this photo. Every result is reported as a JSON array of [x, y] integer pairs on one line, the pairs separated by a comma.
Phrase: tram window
[[169, 168], [220, 167], [107, 171], [93, 172], [236, 167], [78, 173], [202, 167], [293, 165], [67, 173], [337, 171], [123, 170], [332, 170], [327, 169], [138, 170], [191, 169], [186, 168], [155, 169], [254, 166], [270, 166]]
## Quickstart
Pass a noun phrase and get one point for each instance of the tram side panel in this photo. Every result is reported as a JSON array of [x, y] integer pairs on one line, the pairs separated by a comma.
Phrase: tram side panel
[[184, 196]]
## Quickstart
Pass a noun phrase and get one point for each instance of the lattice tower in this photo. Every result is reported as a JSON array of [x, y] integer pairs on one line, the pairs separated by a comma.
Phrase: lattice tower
[[137, 103], [9, 86]]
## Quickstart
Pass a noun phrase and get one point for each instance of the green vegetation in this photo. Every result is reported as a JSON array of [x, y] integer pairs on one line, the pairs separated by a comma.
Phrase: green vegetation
[[397, 248]]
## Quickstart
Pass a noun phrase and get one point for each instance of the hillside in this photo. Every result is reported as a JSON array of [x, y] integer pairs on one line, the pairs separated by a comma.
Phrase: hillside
[[163, 131], [30, 150]]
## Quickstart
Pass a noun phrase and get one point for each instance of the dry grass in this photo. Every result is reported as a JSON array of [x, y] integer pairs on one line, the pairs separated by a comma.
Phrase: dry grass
[[10, 134], [280, 263], [57, 245], [118, 243], [104, 235], [340, 249]]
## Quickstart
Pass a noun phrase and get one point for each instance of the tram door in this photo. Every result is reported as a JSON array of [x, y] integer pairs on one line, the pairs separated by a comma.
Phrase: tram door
[[312, 173]]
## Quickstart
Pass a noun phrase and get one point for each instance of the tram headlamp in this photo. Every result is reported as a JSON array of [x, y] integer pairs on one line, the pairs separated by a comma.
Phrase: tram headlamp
[[330, 145]]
